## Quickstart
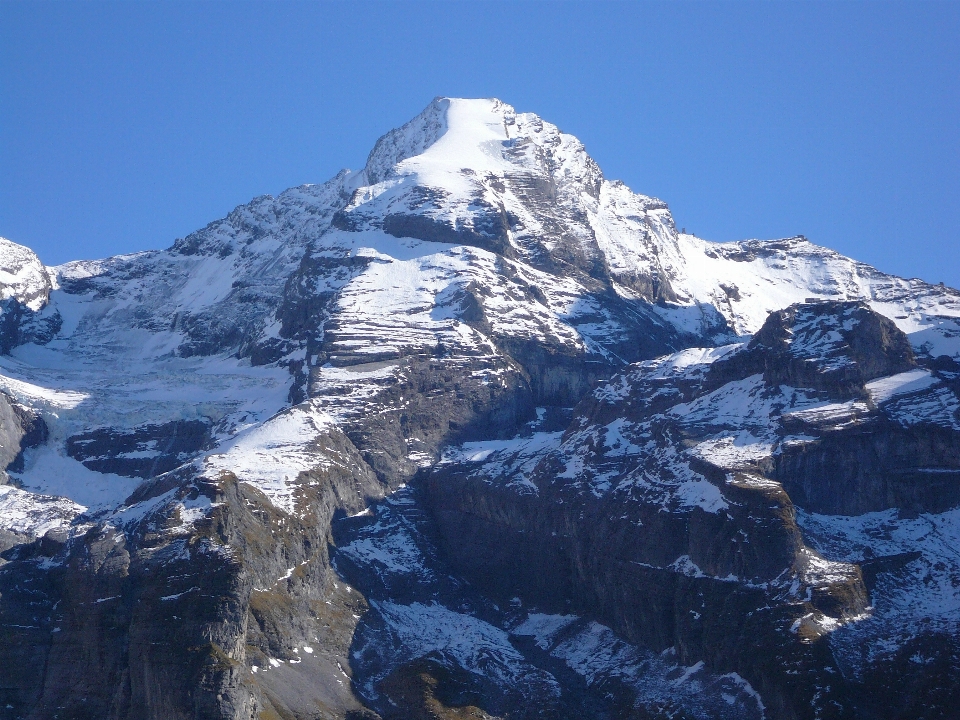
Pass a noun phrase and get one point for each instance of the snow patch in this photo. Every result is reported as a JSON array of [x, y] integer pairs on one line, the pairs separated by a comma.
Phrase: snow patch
[[271, 456]]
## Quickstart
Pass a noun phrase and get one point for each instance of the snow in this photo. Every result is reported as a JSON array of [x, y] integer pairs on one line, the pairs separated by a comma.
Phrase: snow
[[33, 514], [22, 275], [834, 414], [192, 510], [734, 452], [685, 566], [48, 472], [482, 450], [178, 595], [820, 572], [772, 275], [596, 653], [397, 306], [104, 370], [886, 388], [937, 405], [923, 595], [514, 460], [730, 405], [543, 627], [748, 689], [37, 395], [392, 552], [405, 299], [476, 645], [591, 650], [272, 455], [698, 492], [73, 395], [476, 130], [132, 514], [942, 338]]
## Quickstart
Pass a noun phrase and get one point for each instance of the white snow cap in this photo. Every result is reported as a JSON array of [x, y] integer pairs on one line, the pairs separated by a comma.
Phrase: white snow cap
[[22, 275], [449, 134]]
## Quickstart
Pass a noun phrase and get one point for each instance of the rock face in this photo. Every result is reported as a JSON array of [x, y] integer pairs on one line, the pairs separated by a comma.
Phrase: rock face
[[674, 522], [475, 432], [145, 452]]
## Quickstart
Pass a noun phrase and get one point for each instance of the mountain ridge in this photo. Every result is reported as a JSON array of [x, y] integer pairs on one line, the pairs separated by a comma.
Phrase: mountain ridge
[[278, 433]]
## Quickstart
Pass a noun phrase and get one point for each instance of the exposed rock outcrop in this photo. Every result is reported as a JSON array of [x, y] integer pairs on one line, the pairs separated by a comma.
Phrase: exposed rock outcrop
[[668, 521]]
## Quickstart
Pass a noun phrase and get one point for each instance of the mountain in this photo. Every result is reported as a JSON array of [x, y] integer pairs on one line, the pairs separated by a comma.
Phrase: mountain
[[475, 432]]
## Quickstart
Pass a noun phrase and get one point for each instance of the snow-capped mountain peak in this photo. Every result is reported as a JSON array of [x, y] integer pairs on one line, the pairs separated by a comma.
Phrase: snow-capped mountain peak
[[476, 172], [591, 465], [448, 136]]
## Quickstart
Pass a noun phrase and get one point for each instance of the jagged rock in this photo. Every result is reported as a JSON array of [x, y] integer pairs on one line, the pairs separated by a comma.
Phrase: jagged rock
[[146, 451], [20, 428], [614, 517]]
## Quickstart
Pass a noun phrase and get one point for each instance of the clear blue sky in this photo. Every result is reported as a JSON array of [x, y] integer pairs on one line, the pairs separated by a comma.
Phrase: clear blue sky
[[126, 125]]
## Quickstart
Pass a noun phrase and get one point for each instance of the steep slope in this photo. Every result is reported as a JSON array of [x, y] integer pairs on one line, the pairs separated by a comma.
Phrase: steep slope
[[188, 433], [747, 280], [668, 509]]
